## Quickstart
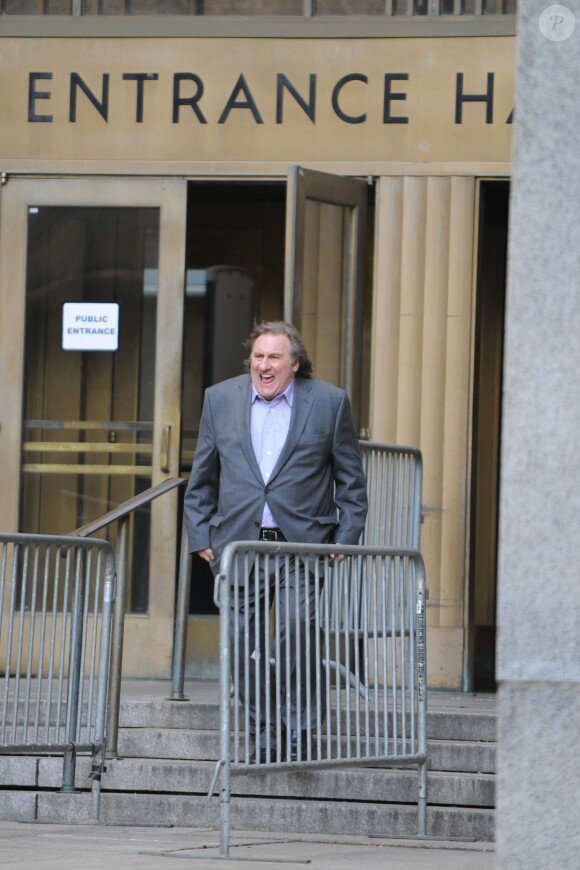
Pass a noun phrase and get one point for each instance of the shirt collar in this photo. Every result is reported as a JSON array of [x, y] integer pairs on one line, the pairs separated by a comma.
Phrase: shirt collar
[[288, 394]]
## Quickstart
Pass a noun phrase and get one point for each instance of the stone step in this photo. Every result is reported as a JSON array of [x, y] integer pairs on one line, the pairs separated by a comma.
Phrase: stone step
[[457, 726], [163, 713], [462, 756], [390, 785], [168, 754], [470, 770], [280, 815], [168, 743], [467, 756]]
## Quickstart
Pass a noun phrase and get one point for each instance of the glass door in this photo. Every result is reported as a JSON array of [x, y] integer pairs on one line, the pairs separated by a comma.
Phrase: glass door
[[91, 295], [325, 245]]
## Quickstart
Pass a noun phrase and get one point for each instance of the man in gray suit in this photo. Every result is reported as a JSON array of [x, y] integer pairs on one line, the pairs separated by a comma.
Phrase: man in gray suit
[[277, 459]]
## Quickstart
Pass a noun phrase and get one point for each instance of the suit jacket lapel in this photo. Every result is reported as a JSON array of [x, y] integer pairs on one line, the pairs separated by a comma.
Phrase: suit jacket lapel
[[242, 412], [301, 407]]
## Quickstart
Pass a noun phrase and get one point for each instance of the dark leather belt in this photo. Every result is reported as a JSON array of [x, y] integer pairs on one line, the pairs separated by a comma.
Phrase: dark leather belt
[[267, 534]]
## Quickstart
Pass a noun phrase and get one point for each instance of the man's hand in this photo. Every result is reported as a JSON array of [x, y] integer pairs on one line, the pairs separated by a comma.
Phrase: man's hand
[[335, 559], [206, 555]]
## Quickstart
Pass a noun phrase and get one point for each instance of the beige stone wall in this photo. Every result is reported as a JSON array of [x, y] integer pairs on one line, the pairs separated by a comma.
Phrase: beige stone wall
[[421, 376]]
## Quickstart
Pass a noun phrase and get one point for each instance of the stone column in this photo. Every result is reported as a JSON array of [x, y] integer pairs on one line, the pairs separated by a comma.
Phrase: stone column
[[538, 801]]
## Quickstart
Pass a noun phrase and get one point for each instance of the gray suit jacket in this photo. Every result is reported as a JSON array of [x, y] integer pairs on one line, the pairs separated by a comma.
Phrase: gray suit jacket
[[316, 492]]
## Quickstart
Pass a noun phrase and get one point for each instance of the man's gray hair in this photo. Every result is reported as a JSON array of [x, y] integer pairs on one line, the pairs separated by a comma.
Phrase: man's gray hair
[[281, 327]]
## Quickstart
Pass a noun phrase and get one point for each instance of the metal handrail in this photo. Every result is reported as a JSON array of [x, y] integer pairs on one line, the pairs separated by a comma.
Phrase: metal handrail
[[121, 515], [125, 508]]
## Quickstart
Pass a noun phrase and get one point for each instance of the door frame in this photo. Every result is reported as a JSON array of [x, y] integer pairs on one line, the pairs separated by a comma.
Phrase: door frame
[[490, 281], [148, 637]]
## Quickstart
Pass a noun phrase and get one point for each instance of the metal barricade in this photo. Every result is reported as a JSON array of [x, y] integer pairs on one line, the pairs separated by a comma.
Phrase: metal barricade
[[394, 475], [283, 620], [394, 489], [56, 599]]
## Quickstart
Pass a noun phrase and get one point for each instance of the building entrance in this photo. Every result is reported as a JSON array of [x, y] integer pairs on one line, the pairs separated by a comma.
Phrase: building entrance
[[265, 251], [234, 275], [127, 298]]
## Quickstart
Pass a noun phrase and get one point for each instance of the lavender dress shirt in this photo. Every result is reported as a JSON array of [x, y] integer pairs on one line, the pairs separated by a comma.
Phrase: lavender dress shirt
[[269, 424]]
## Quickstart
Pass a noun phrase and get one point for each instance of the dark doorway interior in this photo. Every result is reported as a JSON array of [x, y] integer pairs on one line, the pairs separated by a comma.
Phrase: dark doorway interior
[[491, 295], [235, 275]]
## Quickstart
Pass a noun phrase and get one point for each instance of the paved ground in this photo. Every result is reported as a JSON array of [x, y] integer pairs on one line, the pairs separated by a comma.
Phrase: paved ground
[[31, 845]]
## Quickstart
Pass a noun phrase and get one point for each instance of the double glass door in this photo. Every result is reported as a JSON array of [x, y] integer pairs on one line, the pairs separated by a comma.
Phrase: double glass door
[[95, 361]]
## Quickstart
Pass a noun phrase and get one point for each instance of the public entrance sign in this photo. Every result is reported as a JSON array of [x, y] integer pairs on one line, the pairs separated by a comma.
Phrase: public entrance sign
[[90, 326]]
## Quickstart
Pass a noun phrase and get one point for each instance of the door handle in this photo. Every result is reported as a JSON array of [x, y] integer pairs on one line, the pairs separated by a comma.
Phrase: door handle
[[165, 446]]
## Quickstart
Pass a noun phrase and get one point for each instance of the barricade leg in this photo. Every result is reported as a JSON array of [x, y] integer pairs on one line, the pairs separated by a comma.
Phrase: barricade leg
[[422, 800], [69, 769], [98, 768], [225, 749], [422, 695]]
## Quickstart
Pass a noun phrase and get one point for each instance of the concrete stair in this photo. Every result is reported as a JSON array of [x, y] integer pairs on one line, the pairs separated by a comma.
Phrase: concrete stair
[[168, 751]]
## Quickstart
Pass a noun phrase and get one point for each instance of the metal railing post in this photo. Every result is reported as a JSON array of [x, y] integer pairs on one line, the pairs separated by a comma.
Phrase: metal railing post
[[181, 619], [68, 769], [74, 676], [116, 665], [225, 751]]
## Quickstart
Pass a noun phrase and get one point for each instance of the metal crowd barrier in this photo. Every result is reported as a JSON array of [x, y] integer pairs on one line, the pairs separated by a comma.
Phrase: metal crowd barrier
[[56, 599], [394, 476], [361, 606]]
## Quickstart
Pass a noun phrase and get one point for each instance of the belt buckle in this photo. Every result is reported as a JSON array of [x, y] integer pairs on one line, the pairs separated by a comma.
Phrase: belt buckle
[[269, 535]]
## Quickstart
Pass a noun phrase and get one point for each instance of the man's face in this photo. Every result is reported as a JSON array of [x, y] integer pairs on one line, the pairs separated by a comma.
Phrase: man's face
[[271, 365]]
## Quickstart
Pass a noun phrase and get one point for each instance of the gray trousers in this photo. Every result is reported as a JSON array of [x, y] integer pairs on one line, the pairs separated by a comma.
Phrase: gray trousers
[[275, 659]]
